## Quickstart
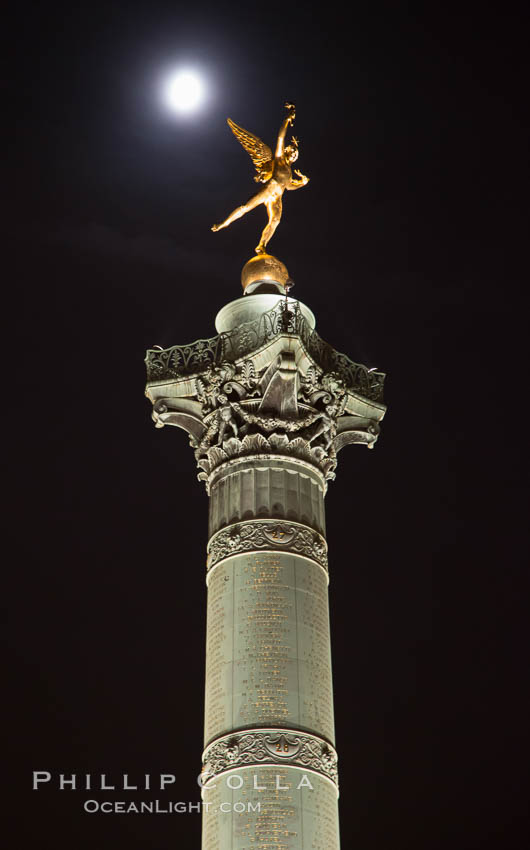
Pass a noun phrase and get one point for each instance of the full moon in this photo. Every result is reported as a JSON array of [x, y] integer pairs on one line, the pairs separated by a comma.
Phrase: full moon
[[184, 91]]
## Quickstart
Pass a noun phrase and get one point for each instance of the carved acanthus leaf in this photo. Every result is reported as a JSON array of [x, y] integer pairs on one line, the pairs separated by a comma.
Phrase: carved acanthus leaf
[[276, 443]]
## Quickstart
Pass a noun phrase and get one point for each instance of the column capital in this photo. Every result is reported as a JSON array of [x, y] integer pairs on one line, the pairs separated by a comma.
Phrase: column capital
[[270, 386]]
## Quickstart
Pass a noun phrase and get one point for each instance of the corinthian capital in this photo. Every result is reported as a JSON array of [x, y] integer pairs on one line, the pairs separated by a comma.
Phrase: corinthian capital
[[270, 387]]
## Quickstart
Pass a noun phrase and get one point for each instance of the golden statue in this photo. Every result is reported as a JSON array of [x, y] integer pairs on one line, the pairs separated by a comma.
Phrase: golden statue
[[275, 172]]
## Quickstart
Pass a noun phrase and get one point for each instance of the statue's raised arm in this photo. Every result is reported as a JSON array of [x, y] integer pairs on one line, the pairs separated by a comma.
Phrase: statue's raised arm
[[288, 121], [275, 172]]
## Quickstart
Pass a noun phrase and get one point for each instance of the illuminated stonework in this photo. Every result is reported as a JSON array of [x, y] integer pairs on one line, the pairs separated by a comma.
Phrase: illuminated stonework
[[267, 535], [274, 746], [267, 406]]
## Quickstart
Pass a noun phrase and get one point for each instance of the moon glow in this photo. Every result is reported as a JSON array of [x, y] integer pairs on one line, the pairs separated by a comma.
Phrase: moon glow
[[183, 91]]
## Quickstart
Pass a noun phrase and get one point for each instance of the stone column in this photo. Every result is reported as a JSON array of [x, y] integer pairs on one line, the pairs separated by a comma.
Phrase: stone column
[[267, 405], [269, 699]]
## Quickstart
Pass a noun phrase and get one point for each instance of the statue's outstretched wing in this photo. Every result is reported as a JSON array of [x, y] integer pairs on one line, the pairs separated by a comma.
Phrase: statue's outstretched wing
[[260, 153]]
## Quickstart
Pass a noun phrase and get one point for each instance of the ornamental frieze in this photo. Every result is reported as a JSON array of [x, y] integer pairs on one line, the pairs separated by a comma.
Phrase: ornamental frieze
[[181, 360], [274, 746], [267, 534]]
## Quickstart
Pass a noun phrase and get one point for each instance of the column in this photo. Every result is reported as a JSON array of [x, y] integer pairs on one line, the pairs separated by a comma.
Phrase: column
[[269, 758]]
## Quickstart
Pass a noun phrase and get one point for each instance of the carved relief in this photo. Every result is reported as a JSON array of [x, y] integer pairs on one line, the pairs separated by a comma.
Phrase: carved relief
[[209, 384], [226, 421], [218, 382], [274, 746], [209, 458], [180, 360], [241, 410], [267, 534], [309, 437]]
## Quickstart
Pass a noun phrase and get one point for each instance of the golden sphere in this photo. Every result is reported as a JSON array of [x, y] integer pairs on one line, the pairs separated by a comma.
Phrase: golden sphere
[[264, 268]]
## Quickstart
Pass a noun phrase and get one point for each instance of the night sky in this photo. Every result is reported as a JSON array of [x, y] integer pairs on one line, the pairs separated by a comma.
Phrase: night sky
[[410, 245]]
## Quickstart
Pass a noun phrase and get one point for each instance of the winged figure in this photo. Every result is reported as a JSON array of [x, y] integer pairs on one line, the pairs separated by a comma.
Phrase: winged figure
[[275, 171]]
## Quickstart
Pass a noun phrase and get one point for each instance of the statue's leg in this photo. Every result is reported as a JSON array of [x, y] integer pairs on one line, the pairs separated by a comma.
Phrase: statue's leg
[[260, 198], [274, 209]]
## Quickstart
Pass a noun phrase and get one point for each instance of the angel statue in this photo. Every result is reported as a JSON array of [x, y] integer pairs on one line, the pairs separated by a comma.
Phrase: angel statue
[[275, 172]]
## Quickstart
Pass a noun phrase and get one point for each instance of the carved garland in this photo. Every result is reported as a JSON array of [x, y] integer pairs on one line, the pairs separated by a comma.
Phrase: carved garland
[[281, 536], [273, 423], [273, 746]]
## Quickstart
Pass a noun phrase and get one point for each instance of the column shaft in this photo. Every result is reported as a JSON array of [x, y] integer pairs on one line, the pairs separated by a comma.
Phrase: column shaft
[[269, 732]]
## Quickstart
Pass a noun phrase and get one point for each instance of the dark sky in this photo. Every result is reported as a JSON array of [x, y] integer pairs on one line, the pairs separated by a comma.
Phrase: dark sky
[[410, 245]]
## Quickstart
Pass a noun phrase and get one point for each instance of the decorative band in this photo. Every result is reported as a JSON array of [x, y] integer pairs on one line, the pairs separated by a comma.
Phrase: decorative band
[[257, 747], [271, 534]]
